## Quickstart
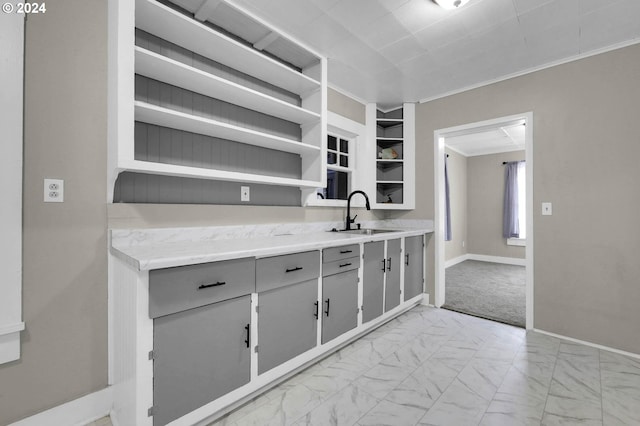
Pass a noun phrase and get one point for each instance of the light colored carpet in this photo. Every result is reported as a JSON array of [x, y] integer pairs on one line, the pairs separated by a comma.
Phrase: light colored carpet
[[488, 290]]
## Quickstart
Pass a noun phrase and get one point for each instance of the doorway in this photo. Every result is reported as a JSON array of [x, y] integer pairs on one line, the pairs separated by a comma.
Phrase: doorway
[[459, 133]]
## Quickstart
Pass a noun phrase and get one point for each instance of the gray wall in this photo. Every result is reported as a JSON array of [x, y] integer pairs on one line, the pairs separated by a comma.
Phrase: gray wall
[[345, 106], [586, 149], [485, 200], [64, 346], [457, 169]]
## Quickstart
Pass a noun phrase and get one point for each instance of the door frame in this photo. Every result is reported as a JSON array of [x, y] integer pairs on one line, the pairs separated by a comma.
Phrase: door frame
[[438, 167]]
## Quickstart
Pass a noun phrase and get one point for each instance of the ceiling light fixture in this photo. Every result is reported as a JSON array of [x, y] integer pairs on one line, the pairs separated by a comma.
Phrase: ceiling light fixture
[[450, 4]]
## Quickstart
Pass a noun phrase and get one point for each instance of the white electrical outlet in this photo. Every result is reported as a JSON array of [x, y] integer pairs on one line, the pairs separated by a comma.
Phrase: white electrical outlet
[[53, 191], [245, 194], [546, 209]]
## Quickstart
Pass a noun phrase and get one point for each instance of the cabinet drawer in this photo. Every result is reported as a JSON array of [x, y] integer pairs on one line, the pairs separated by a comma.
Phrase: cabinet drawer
[[185, 287], [342, 265], [343, 252], [278, 271]]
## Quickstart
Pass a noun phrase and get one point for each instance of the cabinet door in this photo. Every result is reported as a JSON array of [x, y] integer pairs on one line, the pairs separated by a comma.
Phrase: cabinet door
[[339, 304], [373, 280], [199, 355], [287, 323], [392, 291], [413, 267]]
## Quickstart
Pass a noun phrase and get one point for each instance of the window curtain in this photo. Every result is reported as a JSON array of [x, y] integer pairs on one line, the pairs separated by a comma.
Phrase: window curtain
[[447, 204], [510, 223]]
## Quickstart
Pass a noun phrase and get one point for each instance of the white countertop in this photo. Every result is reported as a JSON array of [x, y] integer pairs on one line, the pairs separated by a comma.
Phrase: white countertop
[[156, 254]]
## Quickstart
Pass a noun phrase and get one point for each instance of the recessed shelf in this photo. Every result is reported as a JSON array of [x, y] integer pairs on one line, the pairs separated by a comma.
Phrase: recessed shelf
[[389, 122], [158, 67], [214, 174], [166, 117], [168, 24]]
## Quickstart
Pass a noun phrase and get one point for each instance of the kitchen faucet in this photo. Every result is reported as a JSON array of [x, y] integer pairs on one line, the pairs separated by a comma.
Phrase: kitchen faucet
[[349, 221]]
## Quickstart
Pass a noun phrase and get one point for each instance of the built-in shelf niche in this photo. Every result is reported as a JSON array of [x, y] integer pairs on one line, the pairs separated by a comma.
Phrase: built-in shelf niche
[[393, 134], [269, 87]]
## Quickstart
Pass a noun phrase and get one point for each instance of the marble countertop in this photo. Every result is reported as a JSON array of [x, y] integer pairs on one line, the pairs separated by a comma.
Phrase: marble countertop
[[144, 250]]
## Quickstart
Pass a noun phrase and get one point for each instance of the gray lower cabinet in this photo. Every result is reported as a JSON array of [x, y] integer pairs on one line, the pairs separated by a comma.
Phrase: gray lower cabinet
[[339, 304], [287, 323], [199, 355], [413, 266], [373, 280], [393, 265]]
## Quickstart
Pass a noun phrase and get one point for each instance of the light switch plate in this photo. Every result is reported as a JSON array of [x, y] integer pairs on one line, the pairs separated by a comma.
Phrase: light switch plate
[[53, 191], [546, 209]]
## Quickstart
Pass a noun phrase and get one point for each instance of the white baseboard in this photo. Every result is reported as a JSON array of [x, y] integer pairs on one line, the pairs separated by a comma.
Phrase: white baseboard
[[78, 412], [425, 299], [455, 260], [594, 345], [498, 259], [485, 258], [9, 347]]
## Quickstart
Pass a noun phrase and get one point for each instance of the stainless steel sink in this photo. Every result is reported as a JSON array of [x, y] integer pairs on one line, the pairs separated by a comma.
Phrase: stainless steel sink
[[366, 231]]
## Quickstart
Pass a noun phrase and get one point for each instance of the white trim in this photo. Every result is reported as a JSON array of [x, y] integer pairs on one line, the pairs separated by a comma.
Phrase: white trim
[[425, 300], [522, 242], [356, 133], [9, 347], [532, 70], [11, 328], [77, 412], [593, 345], [498, 259], [11, 171], [451, 262], [438, 160]]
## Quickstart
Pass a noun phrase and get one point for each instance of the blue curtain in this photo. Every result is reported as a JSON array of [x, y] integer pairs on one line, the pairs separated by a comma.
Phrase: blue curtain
[[447, 204], [510, 223]]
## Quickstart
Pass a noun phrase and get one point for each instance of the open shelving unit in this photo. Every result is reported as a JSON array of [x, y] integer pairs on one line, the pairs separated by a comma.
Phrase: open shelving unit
[[295, 70], [393, 136]]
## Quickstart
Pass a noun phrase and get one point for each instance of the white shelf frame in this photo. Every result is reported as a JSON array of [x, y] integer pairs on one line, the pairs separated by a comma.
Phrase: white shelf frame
[[168, 24], [161, 68], [408, 155], [166, 117], [165, 169], [391, 160], [125, 60]]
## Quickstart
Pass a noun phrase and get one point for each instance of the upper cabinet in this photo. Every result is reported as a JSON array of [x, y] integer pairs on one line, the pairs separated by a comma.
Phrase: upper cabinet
[[392, 136], [192, 84]]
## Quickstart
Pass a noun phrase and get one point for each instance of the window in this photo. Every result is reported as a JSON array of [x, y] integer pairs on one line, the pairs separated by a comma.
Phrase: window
[[346, 150], [339, 168]]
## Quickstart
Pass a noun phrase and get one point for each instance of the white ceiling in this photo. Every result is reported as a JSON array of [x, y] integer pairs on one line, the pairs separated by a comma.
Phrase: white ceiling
[[390, 51], [488, 141]]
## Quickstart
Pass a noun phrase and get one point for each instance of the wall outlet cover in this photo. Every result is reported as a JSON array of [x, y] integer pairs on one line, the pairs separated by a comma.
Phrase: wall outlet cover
[[245, 194], [547, 209], [53, 191]]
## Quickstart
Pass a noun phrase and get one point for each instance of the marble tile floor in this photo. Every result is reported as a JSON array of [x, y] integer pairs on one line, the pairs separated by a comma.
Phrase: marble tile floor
[[437, 367]]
